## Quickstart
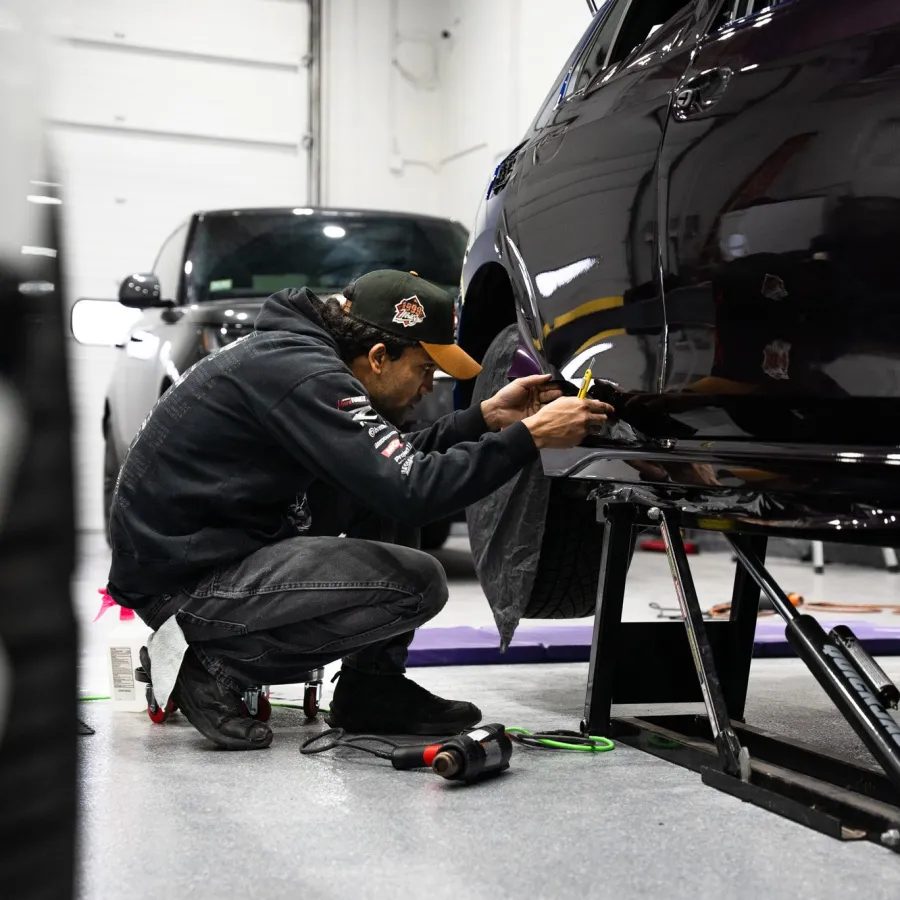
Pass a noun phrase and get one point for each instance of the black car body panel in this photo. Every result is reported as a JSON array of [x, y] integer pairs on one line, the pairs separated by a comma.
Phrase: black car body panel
[[707, 206]]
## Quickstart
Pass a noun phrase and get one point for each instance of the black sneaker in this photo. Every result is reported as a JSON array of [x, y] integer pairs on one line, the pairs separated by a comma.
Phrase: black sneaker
[[216, 712], [376, 703]]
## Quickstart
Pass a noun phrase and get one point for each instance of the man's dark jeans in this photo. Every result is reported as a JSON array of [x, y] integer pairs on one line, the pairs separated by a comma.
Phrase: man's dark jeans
[[304, 602]]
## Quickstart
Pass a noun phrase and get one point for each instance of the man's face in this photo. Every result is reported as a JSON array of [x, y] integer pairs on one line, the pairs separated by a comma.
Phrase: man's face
[[396, 385]]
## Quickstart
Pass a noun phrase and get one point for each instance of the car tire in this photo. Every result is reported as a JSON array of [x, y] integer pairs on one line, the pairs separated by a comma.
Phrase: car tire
[[435, 535], [110, 474], [564, 585]]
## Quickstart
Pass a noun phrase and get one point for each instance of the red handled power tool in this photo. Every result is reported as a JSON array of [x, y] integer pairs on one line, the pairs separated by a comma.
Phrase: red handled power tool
[[467, 757]]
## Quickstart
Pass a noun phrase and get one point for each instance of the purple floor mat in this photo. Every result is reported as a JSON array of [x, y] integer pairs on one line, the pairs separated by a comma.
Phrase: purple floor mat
[[464, 646]]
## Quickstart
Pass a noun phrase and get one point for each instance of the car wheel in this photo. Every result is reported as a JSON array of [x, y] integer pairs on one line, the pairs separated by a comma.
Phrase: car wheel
[[544, 527], [435, 535], [565, 586], [110, 474]]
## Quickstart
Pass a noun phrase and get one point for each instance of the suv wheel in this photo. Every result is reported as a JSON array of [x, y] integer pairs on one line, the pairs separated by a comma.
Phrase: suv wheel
[[545, 526]]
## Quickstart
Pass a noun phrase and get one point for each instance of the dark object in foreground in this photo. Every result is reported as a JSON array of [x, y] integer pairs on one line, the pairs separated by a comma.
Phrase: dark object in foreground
[[38, 634], [710, 661], [467, 757]]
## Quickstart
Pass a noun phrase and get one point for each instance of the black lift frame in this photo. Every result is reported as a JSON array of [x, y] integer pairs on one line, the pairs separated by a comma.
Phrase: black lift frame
[[666, 662]]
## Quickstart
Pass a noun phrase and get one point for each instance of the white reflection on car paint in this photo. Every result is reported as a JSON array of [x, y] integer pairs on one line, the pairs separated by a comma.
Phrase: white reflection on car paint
[[550, 282], [570, 369]]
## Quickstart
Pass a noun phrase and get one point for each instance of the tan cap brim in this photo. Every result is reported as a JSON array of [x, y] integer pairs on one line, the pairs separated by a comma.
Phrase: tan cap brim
[[453, 360]]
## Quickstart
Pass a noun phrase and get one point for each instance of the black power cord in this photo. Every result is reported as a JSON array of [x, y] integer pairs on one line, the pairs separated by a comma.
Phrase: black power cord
[[338, 738]]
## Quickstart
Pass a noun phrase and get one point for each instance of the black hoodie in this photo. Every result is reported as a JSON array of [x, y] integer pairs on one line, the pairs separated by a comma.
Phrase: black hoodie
[[212, 473]]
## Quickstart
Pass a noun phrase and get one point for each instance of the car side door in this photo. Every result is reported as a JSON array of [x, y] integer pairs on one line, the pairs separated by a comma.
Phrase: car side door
[[582, 218], [780, 187]]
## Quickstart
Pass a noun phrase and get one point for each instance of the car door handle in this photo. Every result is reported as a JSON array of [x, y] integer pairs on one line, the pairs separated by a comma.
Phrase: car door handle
[[700, 93]]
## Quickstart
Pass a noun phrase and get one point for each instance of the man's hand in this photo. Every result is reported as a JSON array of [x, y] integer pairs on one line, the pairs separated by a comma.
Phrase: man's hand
[[518, 400], [565, 422]]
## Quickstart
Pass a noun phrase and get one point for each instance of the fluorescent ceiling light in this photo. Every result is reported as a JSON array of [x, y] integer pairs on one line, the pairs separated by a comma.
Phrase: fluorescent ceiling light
[[333, 231]]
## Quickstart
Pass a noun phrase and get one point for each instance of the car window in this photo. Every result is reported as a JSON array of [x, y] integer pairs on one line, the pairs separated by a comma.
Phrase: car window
[[257, 254], [642, 20], [734, 10], [627, 26], [593, 59], [169, 264]]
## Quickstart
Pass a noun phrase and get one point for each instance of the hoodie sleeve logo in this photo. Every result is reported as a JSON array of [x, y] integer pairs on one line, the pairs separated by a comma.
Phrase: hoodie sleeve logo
[[392, 448], [409, 312], [366, 416], [347, 402]]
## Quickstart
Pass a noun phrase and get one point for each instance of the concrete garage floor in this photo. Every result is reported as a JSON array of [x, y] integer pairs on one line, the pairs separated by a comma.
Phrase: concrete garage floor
[[165, 814]]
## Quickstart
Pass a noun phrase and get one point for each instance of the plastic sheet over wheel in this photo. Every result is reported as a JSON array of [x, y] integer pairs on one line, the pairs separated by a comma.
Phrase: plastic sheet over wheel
[[535, 542]]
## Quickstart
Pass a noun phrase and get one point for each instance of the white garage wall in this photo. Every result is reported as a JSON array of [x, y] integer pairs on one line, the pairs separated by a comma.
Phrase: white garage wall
[[382, 104], [155, 111], [496, 69], [425, 135]]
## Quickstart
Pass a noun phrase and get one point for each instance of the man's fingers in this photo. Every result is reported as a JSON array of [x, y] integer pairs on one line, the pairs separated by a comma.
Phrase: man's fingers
[[549, 396], [532, 381], [598, 406]]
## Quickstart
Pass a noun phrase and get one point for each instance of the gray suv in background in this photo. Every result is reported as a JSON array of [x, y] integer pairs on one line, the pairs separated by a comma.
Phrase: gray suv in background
[[213, 273]]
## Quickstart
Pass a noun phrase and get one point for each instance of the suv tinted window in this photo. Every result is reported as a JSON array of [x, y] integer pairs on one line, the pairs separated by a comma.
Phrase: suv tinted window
[[169, 264], [627, 26], [594, 58], [642, 19], [256, 254], [732, 10]]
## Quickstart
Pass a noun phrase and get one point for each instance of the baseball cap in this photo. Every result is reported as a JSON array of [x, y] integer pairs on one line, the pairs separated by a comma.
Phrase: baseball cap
[[408, 306]]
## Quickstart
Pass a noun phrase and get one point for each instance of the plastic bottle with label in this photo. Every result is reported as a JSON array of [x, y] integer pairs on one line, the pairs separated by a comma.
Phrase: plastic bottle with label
[[123, 646]]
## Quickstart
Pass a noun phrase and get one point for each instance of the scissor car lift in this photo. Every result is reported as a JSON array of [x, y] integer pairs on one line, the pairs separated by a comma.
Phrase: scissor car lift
[[662, 662]]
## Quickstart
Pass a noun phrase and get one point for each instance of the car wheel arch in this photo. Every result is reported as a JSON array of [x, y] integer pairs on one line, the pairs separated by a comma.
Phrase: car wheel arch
[[489, 307]]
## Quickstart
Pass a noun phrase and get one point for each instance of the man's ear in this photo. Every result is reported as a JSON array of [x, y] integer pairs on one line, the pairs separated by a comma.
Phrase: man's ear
[[377, 358]]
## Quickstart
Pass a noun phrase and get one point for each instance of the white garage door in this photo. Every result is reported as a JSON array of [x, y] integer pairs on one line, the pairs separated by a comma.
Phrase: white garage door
[[157, 110]]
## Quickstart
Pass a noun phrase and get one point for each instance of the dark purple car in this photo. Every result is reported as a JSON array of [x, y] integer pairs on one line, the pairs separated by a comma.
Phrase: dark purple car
[[707, 207]]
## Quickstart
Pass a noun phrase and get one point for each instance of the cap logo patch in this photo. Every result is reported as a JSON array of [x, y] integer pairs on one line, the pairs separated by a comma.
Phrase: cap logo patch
[[409, 312]]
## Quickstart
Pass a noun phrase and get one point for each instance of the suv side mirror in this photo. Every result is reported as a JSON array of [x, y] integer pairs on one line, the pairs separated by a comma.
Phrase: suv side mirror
[[142, 292]]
